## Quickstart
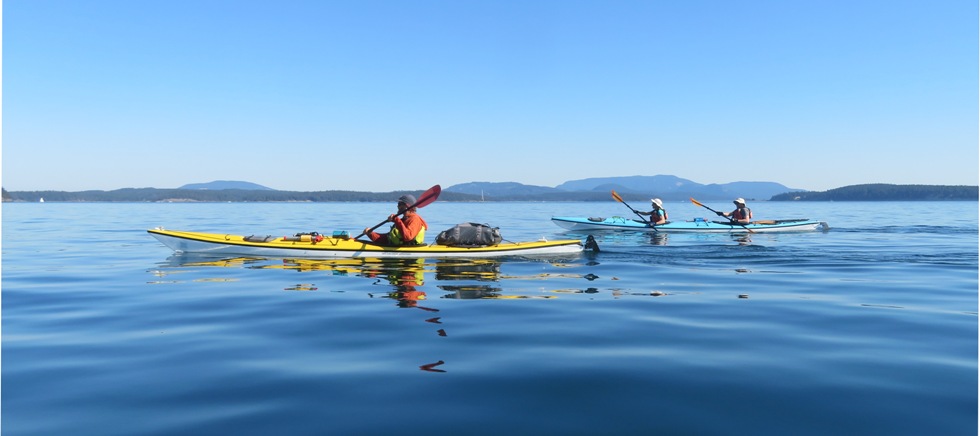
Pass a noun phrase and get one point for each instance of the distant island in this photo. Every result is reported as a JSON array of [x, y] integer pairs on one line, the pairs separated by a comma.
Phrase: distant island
[[631, 188], [218, 185], [885, 192]]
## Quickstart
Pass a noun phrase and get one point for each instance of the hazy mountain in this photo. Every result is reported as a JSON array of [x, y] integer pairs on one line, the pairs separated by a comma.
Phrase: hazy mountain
[[664, 186], [226, 184], [870, 192], [660, 183], [499, 189]]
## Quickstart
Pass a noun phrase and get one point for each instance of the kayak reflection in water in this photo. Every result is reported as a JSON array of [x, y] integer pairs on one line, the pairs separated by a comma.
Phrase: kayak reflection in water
[[406, 292], [406, 276], [410, 297], [658, 238]]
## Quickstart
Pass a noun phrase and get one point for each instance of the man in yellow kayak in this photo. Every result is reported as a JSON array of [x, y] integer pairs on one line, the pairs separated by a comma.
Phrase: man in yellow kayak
[[406, 230]]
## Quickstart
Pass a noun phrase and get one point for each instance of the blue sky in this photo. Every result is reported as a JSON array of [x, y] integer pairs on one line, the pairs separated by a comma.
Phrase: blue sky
[[388, 95]]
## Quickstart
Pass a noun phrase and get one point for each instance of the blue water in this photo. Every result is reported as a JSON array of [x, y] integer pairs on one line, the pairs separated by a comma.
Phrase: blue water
[[868, 328]]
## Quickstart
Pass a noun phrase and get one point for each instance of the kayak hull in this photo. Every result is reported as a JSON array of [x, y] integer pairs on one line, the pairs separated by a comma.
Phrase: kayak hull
[[343, 247], [698, 225]]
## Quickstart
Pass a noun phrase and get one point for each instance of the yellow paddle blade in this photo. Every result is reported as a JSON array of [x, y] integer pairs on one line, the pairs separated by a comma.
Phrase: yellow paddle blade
[[617, 197], [696, 202]]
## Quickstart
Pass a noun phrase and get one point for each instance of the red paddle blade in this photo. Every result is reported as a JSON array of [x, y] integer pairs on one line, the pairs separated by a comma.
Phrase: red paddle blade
[[428, 197]]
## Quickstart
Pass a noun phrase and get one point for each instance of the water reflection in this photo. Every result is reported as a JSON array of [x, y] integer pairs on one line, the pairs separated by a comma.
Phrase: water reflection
[[742, 238], [470, 292], [431, 367], [481, 270], [403, 278], [475, 269], [423, 287], [178, 261], [406, 278]]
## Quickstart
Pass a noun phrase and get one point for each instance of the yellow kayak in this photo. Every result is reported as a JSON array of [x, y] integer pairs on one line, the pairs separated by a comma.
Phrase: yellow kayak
[[317, 246]]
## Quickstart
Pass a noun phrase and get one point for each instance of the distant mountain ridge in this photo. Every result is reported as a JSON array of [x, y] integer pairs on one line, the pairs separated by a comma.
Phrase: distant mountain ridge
[[869, 192], [499, 189], [226, 184], [666, 187], [887, 192], [630, 188]]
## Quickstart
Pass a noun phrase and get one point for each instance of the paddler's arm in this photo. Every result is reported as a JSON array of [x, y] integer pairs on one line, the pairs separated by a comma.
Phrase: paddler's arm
[[407, 233]]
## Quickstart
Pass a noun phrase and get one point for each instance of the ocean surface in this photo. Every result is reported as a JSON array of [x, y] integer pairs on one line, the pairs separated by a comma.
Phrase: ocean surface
[[868, 328]]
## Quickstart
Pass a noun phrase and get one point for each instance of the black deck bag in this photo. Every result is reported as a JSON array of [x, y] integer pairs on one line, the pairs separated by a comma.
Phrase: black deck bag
[[470, 235]]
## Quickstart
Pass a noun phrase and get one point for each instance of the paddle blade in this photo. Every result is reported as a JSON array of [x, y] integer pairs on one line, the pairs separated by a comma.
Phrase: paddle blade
[[428, 197], [696, 202], [617, 197]]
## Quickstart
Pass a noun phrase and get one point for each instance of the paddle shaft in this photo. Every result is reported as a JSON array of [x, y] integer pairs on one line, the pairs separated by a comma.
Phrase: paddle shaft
[[427, 197]]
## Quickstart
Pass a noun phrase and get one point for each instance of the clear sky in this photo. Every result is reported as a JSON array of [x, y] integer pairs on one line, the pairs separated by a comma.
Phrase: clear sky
[[387, 95]]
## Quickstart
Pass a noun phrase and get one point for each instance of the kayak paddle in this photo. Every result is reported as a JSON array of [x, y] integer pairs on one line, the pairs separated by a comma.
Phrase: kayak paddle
[[719, 213], [620, 199], [424, 200]]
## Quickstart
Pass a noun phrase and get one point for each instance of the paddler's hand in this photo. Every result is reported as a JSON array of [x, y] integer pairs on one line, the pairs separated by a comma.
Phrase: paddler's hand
[[391, 218], [720, 213]]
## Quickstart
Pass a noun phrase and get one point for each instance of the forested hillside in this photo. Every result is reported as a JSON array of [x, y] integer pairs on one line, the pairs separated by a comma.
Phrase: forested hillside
[[885, 192]]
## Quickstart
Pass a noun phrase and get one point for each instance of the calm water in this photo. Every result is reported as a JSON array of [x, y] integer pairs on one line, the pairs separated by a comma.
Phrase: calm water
[[869, 328]]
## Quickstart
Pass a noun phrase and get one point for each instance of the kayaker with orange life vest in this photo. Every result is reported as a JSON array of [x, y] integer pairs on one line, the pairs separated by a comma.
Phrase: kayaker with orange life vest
[[658, 215], [741, 214], [406, 230]]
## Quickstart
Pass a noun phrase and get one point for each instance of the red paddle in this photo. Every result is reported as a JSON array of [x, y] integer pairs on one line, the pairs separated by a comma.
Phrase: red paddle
[[424, 200]]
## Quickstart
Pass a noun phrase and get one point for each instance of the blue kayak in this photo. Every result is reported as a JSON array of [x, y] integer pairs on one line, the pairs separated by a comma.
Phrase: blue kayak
[[697, 225]]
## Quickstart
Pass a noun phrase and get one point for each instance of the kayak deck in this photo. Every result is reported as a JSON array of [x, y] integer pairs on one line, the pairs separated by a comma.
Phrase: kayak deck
[[324, 247], [697, 225]]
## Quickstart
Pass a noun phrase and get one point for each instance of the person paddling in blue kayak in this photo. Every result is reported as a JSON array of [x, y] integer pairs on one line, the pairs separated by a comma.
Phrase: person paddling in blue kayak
[[407, 230], [741, 214], [658, 215]]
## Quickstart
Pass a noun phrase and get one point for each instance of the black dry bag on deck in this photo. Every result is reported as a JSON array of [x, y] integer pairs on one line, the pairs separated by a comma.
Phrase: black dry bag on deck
[[469, 235]]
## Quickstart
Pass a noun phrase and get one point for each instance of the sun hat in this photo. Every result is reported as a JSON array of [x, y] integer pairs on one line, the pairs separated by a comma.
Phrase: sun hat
[[739, 201], [408, 199], [657, 202]]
